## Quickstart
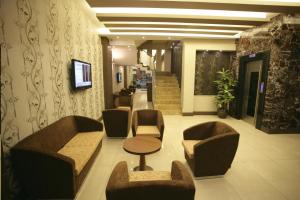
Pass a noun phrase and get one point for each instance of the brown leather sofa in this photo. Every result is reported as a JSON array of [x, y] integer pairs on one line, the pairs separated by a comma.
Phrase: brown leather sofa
[[117, 122], [148, 122], [210, 147], [53, 162], [149, 185]]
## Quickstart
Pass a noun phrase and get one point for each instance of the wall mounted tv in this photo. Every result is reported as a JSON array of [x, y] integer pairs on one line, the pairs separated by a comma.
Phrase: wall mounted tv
[[81, 74]]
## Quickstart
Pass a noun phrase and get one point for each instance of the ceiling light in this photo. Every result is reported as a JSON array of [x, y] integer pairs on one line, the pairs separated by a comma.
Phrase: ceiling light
[[177, 23], [173, 34], [174, 29], [173, 11], [103, 30], [118, 37]]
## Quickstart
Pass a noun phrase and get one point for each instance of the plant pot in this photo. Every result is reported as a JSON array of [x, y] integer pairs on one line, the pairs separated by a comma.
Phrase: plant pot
[[222, 113]]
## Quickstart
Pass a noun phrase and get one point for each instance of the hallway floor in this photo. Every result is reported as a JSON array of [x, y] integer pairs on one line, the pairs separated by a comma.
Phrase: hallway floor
[[266, 167]]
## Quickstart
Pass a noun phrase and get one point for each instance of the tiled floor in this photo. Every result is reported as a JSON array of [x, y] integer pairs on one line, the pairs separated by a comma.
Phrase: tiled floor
[[265, 167]]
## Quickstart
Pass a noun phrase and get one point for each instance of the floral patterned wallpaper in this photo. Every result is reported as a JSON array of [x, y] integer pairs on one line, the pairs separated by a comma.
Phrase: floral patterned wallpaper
[[38, 40]]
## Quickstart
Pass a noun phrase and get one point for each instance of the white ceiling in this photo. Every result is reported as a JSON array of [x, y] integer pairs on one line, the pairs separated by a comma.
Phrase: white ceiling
[[180, 19]]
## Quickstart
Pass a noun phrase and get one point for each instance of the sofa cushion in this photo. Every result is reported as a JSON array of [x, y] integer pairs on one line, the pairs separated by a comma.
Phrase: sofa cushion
[[80, 155], [149, 176], [148, 131], [189, 147], [127, 108], [81, 147], [86, 139]]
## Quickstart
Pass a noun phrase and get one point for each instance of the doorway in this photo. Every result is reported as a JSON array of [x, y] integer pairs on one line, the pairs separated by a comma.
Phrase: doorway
[[251, 88], [250, 99]]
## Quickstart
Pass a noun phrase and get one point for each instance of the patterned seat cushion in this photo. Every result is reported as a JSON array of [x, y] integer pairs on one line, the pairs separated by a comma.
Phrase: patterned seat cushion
[[81, 147], [148, 131], [189, 146], [80, 155], [149, 176], [86, 139]]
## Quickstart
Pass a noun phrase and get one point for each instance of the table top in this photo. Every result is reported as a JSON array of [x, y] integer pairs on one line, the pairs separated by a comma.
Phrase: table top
[[142, 145]]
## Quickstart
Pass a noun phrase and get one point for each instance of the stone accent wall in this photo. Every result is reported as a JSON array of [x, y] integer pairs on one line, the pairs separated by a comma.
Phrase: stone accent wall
[[208, 63], [282, 101]]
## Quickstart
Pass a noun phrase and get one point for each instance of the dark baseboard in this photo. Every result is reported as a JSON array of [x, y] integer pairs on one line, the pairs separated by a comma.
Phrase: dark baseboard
[[205, 113], [279, 131], [188, 114]]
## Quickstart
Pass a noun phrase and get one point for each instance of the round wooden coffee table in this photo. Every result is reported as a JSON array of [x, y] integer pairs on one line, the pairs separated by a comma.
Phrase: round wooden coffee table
[[142, 145]]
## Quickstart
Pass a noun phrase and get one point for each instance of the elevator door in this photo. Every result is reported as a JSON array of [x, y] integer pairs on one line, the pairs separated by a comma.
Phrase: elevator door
[[252, 93], [252, 79]]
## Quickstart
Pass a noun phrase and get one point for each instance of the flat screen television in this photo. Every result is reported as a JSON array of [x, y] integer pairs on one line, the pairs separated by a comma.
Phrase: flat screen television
[[81, 74]]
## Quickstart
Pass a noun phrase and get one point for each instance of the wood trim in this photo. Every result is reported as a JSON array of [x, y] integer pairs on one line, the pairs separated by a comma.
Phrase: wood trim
[[181, 20], [205, 113], [187, 114], [107, 73], [194, 5]]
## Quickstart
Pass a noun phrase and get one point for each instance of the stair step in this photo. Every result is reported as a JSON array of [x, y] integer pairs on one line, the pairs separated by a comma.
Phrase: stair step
[[171, 112], [168, 101], [166, 85], [167, 106]]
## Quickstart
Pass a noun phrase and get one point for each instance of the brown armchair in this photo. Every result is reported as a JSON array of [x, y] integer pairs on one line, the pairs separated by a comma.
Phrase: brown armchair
[[123, 101], [210, 147], [148, 185], [148, 123], [117, 122]]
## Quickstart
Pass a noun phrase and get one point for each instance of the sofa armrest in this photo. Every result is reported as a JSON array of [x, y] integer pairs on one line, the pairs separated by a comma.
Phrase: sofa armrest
[[44, 174], [134, 124], [160, 124], [85, 124], [199, 132], [179, 172], [118, 179]]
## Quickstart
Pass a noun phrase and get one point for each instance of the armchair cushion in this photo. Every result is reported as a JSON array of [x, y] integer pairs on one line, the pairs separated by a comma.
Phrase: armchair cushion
[[188, 146], [148, 131], [149, 176], [127, 108]]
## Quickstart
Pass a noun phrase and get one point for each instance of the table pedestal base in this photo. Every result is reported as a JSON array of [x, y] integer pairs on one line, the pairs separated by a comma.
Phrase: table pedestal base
[[142, 166], [146, 168]]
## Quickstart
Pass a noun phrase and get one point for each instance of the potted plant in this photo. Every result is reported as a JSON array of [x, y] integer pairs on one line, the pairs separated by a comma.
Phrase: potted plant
[[225, 84]]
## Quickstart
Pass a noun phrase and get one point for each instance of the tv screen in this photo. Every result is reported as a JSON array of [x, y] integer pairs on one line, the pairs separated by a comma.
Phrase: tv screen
[[82, 74]]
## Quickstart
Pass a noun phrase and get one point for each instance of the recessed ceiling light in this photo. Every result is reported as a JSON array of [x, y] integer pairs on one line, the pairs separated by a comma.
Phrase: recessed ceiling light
[[168, 34], [177, 12], [118, 37], [103, 30], [143, 37], [177, 23], [174, 29]]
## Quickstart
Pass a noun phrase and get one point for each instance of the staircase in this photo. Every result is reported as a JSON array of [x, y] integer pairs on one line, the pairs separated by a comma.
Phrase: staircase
[[167, 94]]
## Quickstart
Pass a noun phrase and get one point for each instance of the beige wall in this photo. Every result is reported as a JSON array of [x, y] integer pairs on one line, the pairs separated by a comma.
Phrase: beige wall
[[189, 102], [122, 55], [38, 41], [117, 86]]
